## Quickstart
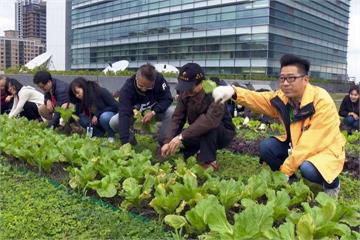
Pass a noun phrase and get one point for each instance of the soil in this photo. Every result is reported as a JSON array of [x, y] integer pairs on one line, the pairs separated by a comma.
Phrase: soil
[[240, 145]]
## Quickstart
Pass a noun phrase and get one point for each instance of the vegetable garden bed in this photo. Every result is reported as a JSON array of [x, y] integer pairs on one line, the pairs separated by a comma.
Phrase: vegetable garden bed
[[195, 202]]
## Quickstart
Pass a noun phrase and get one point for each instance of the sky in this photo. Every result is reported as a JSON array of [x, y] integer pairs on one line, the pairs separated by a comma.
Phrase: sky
[[7, 21]]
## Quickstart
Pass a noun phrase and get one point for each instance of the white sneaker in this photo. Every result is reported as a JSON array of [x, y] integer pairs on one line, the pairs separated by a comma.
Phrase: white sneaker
[[61, 122], [332, 192], [262, 127], [246, 121], [111, 140]]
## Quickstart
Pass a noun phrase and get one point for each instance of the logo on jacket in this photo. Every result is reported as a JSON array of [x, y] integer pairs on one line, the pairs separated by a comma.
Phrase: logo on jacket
[[163, 86]]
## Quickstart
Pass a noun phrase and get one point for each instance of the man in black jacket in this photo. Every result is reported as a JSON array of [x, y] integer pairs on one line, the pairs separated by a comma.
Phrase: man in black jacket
[[56, 95], [149, 90]]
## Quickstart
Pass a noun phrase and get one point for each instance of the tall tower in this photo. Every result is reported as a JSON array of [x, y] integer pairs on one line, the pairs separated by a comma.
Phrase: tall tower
[[30, 19]]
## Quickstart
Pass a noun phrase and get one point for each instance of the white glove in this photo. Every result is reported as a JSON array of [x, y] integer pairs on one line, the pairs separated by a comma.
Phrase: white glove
[[262, 126], [246, 121], [223, 93], [61, 122]]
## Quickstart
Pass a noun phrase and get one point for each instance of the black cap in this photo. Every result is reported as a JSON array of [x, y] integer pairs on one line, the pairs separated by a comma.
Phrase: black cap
[[190, 75]]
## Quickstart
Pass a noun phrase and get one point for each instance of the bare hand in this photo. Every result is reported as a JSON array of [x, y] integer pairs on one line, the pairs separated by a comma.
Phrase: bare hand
[[94, 120], [8, 98], [49, 106], [174, 144], [165, 150], [354, 115], [148, 116]]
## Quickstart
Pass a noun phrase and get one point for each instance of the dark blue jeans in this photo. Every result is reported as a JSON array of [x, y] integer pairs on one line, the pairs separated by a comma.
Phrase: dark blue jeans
[[351, 122], [274, 153]]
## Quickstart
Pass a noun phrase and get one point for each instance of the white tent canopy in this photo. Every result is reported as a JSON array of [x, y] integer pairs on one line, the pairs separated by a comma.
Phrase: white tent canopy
[[117, 66], [41, 60], [166, 68]]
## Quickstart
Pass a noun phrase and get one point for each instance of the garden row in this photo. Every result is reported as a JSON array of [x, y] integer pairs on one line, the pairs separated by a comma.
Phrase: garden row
[[191, 200], [248, 138]]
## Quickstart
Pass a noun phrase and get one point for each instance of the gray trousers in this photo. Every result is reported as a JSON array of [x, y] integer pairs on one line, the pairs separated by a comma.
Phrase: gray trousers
[[164, 118]]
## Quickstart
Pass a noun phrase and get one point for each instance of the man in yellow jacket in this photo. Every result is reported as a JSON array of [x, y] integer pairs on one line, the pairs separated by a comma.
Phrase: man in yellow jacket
[[313, 142]]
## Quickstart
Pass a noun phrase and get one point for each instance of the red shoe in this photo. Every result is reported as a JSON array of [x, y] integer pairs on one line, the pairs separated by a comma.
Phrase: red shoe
[[214, 165]]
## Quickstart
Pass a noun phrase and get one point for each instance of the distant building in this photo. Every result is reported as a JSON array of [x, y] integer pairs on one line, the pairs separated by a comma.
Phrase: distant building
[[225, 37], [15, 51], [58, 33], [30, 19]]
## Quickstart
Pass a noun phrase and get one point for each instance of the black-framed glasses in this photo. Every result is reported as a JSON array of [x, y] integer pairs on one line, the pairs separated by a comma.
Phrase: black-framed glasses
[[290, 79]]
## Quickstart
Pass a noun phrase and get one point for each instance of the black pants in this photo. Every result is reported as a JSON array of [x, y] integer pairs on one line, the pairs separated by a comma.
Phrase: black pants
[[6, 107], [30, 111], [208, 143]]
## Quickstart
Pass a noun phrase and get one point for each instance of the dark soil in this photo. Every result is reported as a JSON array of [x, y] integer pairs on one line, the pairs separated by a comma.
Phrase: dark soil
[[240, 145]]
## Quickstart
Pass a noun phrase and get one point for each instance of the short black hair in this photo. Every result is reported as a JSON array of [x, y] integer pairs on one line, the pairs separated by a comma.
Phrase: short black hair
[[42, 77], [292, 60], [354, 87], [147, 71]]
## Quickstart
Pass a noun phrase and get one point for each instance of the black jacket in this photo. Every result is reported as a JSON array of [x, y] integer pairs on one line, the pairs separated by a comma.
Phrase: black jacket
[[348, 106], [60, 92], [158, 99], [105, 102]]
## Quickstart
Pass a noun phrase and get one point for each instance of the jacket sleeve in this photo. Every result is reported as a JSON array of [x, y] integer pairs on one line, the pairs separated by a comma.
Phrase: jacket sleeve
[[109, 101], [257, 101], [177, 122], [24, 96], [164, 98], [322, 132], [62, 93], [343, 112], [125, 113], [205, 122]]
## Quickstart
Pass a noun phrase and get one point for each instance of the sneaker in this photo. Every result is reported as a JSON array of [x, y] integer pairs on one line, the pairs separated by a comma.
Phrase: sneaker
[[332, 192], [246, 121], [111, 140], [214, 165], [262, 127]]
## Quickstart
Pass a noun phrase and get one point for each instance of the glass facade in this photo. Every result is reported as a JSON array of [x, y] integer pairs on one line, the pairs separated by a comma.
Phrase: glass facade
[[223, 36]]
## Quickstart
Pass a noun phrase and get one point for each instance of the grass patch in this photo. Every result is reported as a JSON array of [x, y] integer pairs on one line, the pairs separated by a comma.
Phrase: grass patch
[[33, 208]]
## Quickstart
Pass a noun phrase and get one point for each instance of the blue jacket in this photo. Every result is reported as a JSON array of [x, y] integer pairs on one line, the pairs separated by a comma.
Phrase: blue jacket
[[158, 99], [60, 91]]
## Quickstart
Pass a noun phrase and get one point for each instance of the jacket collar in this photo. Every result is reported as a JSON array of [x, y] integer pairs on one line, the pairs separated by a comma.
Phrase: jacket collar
[[307, 108]]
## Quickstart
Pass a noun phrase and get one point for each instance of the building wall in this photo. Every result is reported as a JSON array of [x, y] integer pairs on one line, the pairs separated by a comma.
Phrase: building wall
[[58, 33], [223, 36], [16, 51], [30, 18]]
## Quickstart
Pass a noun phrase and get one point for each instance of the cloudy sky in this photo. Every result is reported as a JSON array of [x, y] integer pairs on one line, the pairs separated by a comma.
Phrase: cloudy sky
[[7, 21]]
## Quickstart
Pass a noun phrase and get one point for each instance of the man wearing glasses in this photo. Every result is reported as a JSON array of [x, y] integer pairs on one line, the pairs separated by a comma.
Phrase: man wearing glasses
[[313, 142], [149, 91]]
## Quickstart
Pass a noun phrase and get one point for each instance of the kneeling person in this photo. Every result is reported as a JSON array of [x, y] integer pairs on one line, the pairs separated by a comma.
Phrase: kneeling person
[[149, 90], [313, 142], [56, 95], [211, 126]]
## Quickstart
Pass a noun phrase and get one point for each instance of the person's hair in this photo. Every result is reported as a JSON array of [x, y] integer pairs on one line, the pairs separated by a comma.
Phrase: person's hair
[[90, 92], [354, 87], [42, 77], [292, 60], [147, 71], [12, 82], [2, 77]]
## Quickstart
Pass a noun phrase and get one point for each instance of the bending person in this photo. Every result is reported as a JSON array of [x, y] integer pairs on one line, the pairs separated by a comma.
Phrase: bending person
[[27, 100]]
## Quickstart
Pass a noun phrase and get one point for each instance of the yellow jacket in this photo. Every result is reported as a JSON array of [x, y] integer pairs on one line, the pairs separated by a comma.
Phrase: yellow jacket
[[315, 133]]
